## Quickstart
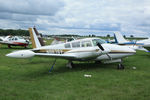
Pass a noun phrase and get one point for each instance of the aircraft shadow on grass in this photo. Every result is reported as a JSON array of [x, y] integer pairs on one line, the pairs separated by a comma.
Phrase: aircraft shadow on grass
[[60, 69]]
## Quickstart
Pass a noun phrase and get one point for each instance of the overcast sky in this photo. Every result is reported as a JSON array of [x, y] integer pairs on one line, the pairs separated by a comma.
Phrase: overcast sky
[[99, 17]]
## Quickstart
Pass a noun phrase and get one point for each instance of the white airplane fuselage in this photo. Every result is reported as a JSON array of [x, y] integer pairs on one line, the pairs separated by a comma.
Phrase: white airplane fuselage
[[81, 53], [115, 51], [14, 41]]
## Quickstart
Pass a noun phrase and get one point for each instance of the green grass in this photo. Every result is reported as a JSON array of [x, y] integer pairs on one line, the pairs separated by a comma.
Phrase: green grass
[[29, 79]]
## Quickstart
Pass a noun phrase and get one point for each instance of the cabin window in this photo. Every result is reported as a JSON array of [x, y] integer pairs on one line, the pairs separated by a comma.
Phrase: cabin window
[[67, 45], [86, 44], [76, 44], [95, 41], [16, 39]]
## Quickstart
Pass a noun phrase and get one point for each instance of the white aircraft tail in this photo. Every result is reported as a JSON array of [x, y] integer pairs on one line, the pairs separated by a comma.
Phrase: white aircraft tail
[[36, 39], [7, 38], [119, 38]]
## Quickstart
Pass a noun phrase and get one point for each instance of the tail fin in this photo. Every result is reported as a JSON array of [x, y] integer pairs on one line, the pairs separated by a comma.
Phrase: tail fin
[[119, 38], [7, 38], [36, 39]]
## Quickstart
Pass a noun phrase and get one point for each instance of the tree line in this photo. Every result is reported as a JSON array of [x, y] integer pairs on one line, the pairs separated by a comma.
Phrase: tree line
[[13, 32]]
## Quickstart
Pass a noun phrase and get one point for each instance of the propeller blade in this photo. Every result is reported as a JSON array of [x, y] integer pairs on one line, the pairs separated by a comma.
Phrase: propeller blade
[[100, 46]]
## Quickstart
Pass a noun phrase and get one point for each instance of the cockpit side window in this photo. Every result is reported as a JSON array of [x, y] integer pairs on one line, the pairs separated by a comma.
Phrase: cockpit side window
[[95, 41], [76, 44], [67, 45], [86, 44], [16, 39]]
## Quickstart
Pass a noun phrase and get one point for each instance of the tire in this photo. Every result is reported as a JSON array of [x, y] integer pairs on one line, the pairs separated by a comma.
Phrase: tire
[[120, 66]]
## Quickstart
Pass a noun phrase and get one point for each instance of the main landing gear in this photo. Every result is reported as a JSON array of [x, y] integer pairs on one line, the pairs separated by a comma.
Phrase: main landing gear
[[70, 64], [120, 66], [9, 46]]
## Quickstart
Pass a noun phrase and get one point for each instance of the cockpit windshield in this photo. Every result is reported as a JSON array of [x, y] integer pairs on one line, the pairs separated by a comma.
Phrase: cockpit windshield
[[95, 41]]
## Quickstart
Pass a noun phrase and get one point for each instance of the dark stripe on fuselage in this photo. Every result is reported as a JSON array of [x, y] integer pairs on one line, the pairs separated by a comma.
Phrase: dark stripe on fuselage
[[62, 51]]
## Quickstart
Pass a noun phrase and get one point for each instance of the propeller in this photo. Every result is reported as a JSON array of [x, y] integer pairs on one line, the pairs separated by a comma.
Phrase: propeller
[[101, 47]]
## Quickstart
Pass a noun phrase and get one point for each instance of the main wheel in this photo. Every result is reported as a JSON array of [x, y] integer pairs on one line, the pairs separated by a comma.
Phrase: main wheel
[[120, 66], [72, 64], [9, 46], [98, 62]]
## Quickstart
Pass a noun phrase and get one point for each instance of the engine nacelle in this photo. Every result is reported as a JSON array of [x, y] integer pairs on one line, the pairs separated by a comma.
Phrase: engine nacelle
[[21, 54]]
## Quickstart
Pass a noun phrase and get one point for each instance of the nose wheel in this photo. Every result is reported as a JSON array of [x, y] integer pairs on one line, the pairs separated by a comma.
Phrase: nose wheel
[[120, 66]]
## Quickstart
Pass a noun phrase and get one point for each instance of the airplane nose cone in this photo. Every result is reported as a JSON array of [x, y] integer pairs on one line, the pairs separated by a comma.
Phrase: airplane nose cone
[[13, 55], [130, 51], [8, 55]]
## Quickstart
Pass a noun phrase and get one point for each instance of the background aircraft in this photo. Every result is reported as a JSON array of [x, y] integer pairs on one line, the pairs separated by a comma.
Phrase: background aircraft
[[137, 45], [14, 41], [88, 49], [58, 40]]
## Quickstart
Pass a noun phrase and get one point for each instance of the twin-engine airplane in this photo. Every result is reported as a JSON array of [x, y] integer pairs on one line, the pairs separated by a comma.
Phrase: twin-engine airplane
[[88, 49], [137, 45], [14, 41]]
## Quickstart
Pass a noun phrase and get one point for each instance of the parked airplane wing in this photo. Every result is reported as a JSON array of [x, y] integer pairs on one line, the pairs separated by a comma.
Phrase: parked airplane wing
[[7, 43], [30, 53], [64, 56]]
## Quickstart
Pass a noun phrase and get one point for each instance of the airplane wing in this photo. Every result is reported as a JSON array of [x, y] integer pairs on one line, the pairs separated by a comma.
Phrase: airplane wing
[[11, 43], [69, 56], [64, 56], [6, 42], [1, 42]]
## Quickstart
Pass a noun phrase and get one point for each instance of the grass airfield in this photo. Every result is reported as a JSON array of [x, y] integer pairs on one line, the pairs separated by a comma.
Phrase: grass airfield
[[29, 79]]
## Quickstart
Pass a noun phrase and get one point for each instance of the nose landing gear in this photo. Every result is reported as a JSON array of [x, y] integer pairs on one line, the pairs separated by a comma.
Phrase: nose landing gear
[[120, 66]]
